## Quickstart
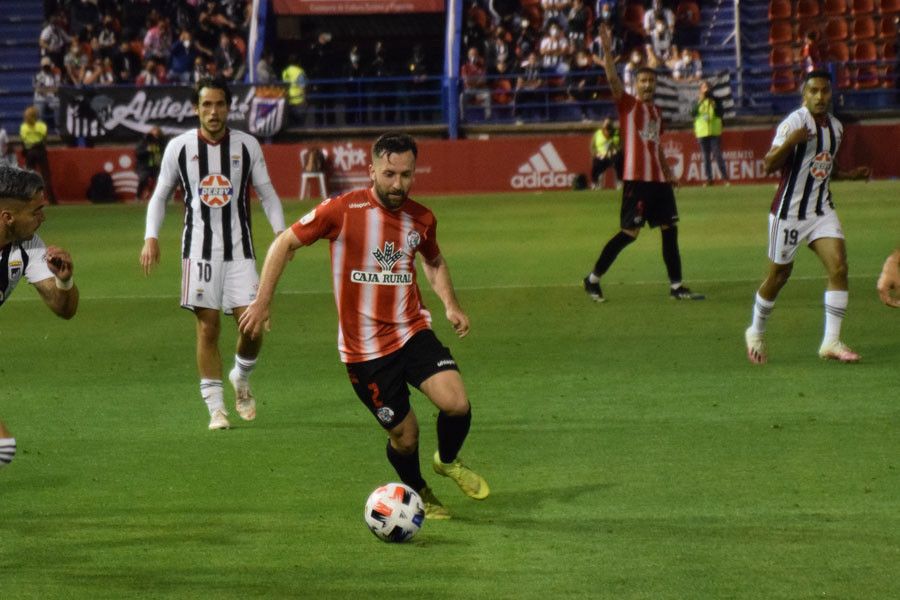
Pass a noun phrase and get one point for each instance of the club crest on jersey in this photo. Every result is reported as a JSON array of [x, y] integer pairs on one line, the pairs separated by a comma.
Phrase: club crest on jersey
[[386, 258], [15, 269], [413, 239], [215, 190], [650, 132], [821, 165]]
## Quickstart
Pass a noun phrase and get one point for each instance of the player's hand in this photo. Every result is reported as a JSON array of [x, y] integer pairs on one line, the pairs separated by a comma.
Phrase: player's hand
[[59, 262], [149, 254], [459, 320], [889, 282], [800, 136], [254, 320]]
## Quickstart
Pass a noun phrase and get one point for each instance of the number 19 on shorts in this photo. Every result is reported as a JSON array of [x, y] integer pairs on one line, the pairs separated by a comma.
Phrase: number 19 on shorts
[[790, 237]]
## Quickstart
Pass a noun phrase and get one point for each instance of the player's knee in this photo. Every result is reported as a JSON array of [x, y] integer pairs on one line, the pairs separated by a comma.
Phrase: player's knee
[[457, 407], [7, 450], [405, 442]]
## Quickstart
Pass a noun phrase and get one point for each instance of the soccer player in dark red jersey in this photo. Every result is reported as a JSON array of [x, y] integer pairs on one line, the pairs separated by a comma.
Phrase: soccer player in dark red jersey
[[647, 194], [384, 330]]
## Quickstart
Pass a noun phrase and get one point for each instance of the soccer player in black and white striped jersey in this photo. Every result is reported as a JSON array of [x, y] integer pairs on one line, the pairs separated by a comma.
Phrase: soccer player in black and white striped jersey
[[215, 166], [804, 148]]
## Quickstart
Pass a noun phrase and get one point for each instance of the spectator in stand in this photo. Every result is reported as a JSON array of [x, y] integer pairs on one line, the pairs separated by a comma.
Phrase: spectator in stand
[[93, 72], [181, 58], [582, 84], [108, 72], [689, 68], [381, 96], [108, 36], [228, 60], [127, 63], [54, 40], [499, 47], [201, 69], [46, 88], [7, 156], [476, 95], [687, 24], [605, 13], [810, 54], [672, 61], [578, 18], [265, 70], [83, 14], [75, 62], [597, 47], [656, 11], [33, 133], [158, 42], [206, 34], [321, 65], [477, 27], [149, 76], [356, 100], [527, 41], [531, 95], [503, 12], [555, 10], [418, 97], [502, 91], [629, 73], [555, 50], [659, 43]]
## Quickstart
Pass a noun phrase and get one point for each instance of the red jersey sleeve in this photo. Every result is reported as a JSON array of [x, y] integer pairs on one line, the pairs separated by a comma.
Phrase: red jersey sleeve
[[323, 221], [429, 248]]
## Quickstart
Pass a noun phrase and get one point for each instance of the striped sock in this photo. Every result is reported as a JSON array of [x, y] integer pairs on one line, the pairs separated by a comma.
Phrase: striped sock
[[762, 308], [7, 450], [835, 309], [244, 366], [211, 390]]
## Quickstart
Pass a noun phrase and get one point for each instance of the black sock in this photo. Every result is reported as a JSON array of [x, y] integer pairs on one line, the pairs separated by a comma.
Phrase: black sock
[[451, 433], [610, 251], [407, 467], [671, 255]]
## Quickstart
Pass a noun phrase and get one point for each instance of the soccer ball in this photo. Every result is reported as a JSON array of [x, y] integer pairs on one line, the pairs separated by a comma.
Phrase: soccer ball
[[394, 512]]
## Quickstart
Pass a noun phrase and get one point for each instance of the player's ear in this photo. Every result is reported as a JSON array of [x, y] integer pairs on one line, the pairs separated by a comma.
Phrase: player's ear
[[372, 172]]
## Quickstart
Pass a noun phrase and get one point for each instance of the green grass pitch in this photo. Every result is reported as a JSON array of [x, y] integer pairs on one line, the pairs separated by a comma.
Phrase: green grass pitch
[[632, 451]]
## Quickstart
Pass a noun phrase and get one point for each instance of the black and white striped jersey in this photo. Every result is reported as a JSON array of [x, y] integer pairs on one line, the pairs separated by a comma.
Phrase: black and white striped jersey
[[215, 178], [22, 259], [803, 191]]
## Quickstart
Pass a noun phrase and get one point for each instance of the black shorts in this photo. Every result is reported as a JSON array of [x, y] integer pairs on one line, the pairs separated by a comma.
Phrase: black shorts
[[381, 383], [647, 202]]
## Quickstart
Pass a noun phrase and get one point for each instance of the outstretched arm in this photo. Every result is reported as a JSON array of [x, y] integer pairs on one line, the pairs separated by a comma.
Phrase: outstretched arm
[[256, 316], [438, 274], [59, 292], [609, 63]]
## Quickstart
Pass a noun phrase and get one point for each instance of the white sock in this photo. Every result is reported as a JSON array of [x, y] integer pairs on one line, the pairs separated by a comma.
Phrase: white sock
[[762, 308], [243, 366], [211, 390], [835, 309], [593, 278], [7, 450], [675, 286]]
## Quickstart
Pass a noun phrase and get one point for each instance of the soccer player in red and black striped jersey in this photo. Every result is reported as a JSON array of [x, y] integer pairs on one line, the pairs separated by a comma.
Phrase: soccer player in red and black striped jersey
[[215, 166], [384, 330], [647, 194], [804, 148]]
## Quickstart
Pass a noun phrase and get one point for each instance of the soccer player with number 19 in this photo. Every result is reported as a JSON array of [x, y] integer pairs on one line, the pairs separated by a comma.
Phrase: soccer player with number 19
[[804, 149], [215, 166]]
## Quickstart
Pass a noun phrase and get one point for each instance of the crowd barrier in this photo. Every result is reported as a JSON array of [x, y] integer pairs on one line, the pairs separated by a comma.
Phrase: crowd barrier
[[527, 163]]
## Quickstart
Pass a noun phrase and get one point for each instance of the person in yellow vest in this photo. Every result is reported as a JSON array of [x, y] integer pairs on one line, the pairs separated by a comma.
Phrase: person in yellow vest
[[33, 133], [707, 113], [606, 152], [294, 75]]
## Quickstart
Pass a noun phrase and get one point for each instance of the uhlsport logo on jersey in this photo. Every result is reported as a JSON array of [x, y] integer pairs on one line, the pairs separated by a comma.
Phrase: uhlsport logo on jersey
[[386, 258], [821, 165], [215, 190], [545, 169]]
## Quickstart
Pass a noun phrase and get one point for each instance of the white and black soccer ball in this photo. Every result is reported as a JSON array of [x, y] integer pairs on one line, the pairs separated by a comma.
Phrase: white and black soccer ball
[[394, 512]]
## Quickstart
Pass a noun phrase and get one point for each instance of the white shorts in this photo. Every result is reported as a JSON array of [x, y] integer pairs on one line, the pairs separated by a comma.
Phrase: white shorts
[[219, 284], [785, 235]]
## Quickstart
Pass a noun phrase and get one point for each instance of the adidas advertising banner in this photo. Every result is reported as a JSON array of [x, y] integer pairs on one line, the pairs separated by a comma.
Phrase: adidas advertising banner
[[499, 164], [676, 98], [125, 113]]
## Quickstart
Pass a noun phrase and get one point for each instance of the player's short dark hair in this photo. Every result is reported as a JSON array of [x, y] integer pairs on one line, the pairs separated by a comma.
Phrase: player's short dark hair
[[394, 142], [817, 74], [650, 70], [215, 83], [19, 184]]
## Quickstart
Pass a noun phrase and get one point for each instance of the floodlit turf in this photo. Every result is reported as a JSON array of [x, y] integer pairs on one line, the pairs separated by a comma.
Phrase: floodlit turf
[[632, 451]]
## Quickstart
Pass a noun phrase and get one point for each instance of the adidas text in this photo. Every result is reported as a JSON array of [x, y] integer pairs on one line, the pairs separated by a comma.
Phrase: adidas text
[[542, 180]]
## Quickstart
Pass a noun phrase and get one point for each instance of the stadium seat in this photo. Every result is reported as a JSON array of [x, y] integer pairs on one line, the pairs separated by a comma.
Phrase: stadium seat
[[890, 7], [839, 53], [781, 32], [687, 13], [804, 26], [807, 9], [865, 56], [863, 28], [835, 8], [781, 56], [783, 81], [862, 7], [780, 9], [888, 29], [836, 29], [633, 18], [889, 72]]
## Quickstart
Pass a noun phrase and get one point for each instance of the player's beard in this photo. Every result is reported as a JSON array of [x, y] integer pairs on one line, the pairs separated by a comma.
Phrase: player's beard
[[389, 200]]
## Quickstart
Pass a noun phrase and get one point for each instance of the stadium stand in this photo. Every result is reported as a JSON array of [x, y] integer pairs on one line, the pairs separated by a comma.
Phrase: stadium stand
[[20, 26]]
